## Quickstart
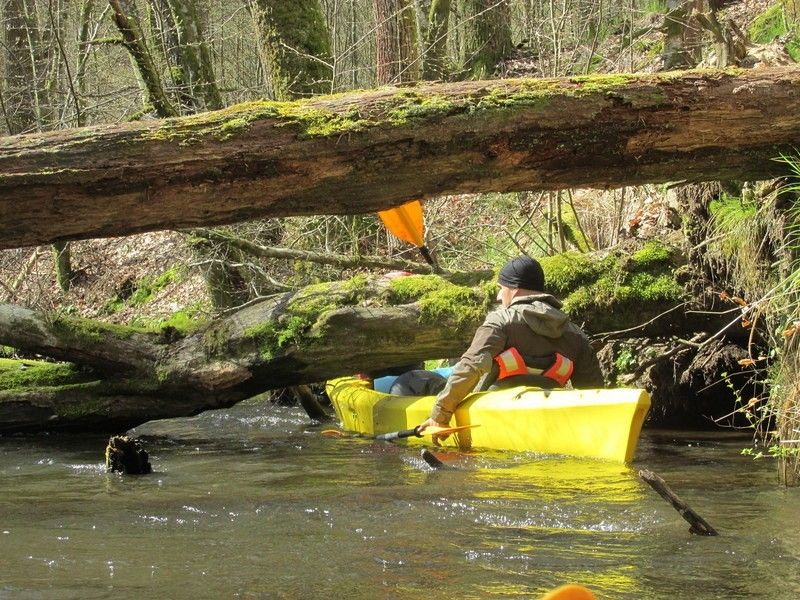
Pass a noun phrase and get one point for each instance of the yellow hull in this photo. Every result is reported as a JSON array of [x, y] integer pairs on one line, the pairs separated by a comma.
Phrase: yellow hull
[[601, 424]]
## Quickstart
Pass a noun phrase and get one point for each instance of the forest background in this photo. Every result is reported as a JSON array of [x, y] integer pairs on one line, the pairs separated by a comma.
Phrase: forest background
[[732, 244]]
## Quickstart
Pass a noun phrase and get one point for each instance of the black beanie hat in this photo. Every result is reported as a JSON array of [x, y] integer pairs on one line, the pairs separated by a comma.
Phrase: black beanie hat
[[522, 272]]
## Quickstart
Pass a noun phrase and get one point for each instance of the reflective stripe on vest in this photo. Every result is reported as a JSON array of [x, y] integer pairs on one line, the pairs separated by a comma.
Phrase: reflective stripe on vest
[[511, 363], [561, 370]]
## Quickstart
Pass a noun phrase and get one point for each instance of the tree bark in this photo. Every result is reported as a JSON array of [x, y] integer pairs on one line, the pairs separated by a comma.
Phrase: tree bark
[[397, 59], [194, 62], [486, 39], [369, 151], [25, 95], [294, 58], [127, 21], [434, 61], [682, 48]]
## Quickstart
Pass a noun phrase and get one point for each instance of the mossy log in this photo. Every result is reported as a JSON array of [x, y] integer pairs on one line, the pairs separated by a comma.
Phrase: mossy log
[[123, 376], [364, 151]]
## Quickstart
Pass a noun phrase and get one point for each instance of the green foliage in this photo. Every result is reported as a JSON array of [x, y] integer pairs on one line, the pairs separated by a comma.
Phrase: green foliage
[[732, 222], [769, 24], [773, 451], [625, 361], [775, 22], [146, 289]]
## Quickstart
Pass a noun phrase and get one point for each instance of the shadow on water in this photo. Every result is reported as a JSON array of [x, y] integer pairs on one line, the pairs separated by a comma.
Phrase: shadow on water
[[254, 503]]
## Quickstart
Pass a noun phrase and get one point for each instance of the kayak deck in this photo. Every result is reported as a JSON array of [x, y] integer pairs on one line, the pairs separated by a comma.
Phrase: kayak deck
[[603, 423]]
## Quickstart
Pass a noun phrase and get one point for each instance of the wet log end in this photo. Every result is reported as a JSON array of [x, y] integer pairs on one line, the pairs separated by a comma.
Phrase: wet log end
[[126, 455]]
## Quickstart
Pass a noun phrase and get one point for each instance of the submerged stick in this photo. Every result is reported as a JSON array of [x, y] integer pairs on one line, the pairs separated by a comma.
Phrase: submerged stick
[[432, 461], [310, 404], [699, 526]]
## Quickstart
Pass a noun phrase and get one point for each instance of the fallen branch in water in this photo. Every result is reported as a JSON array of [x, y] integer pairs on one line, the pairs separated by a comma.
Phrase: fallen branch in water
[[698, 525]]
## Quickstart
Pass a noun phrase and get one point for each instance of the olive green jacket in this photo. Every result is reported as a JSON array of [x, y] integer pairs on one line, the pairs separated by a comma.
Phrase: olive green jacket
[[537, 328]]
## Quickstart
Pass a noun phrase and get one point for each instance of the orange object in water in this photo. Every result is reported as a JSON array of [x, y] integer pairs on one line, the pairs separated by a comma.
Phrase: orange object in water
[[570, 592], [405, 222]]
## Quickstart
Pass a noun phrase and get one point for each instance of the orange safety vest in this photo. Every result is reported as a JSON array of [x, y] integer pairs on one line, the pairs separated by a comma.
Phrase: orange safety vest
[[511, 363]]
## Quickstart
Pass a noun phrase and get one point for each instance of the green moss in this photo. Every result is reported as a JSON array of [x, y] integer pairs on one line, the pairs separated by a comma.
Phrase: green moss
[[569, 270], [409, 106], [654, 288], [87, 331], [532, 92], [441, 300], [266, 337], [312, 119], [405, 290], [305, 310], [453, 303], [651, 255], [27, 374], [182, 322], [611, 291], [91, 405], [215, 339], [220, 124]]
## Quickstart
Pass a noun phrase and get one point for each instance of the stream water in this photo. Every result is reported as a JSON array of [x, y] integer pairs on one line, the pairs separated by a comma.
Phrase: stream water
[[254, 503]]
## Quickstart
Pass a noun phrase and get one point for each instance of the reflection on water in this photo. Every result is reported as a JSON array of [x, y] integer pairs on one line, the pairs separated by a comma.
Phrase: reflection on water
[[255, 503]]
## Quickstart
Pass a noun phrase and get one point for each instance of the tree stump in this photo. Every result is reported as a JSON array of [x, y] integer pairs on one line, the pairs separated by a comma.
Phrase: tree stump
[[126, 455]]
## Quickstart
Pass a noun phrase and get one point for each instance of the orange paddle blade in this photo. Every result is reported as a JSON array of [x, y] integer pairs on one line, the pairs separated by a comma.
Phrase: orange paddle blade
[[569, 592], [433, 430], [333, 433], [406, 222]]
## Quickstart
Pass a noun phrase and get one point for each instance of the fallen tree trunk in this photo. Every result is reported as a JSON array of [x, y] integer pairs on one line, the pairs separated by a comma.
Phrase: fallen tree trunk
[[361, 152], [122, 376]]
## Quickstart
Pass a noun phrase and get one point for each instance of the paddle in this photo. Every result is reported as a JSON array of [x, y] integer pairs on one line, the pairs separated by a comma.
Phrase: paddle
[[407, 433], [407, 223], [569, 592]]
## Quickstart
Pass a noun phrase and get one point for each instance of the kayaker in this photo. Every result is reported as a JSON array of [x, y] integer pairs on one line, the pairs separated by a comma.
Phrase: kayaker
[[528, 341]]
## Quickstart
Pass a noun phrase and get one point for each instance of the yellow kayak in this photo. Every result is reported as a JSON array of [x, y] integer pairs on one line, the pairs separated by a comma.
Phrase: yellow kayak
[[602, 424]]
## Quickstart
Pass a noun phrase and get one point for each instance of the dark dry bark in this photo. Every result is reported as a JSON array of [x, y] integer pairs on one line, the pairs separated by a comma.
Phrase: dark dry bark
[[367, 151]]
